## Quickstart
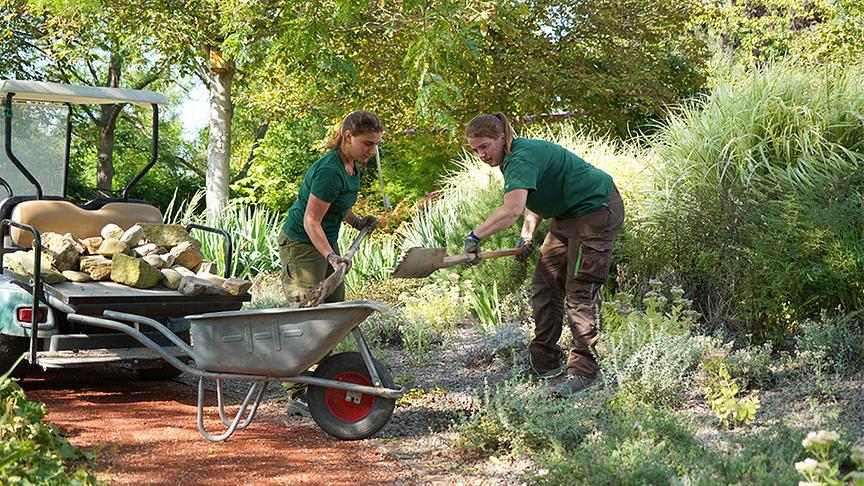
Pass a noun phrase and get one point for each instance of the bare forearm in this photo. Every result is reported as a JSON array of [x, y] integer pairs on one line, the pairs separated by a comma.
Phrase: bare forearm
[[502, 218], [529, 225], [317, 237]]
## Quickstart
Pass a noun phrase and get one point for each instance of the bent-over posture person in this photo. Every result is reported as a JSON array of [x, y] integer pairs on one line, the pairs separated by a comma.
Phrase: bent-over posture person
[[308, 243], [545, 180]]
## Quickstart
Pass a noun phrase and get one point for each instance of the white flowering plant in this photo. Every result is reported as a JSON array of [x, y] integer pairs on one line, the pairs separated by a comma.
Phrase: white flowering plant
[[824, 468]]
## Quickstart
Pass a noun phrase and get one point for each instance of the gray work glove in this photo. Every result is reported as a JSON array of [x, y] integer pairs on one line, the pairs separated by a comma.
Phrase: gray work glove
[[527, 247], [359, 223], [472, 247], [334, 259]]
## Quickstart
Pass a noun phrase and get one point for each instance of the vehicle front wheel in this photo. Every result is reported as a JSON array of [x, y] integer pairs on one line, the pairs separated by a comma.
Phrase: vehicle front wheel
[[344, 414]]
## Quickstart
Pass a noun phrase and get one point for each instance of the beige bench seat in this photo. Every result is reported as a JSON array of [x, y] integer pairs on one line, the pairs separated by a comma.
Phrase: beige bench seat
[[64, 217]]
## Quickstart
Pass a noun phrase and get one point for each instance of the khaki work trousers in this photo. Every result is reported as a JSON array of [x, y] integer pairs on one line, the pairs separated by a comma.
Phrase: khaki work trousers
[[302, 269], [574, 264]]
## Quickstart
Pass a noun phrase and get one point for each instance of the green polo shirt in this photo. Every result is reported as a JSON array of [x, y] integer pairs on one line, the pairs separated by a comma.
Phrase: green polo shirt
[[328, 180], [560, 184]]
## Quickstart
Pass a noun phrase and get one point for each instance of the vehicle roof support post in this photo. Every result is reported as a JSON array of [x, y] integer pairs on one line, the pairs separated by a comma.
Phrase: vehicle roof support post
[[154, 153], [7, 115], [68, 149]]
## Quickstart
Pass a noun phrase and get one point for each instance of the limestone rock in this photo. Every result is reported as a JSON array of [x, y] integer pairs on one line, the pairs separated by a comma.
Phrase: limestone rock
[[197, 286], [22, 263], [185, 254], [134, 272], [171, 278], [206, 266], [183, 271], [236, 286], [214, 279], [168, 234], [111, 246], [133, 235], [91, 245], [150, 249], [112, 231], [97, 266], [62, 250], [74, 276]]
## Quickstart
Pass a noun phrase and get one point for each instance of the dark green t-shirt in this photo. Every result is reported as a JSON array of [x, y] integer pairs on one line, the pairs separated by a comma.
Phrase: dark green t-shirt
[[560, 184], [328, 180]]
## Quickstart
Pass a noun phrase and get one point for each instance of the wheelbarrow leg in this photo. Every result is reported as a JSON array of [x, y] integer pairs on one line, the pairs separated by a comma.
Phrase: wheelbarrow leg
[[367, 356], [257, 390], [255, 404]]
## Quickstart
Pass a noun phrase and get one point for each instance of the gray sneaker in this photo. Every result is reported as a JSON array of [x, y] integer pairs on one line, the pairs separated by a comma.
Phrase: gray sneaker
[[546, 374], [297, 404], [572, 384]]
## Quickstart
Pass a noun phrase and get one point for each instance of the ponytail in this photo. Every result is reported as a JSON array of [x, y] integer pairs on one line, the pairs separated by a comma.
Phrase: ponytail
[[358, 123], [491, 126]]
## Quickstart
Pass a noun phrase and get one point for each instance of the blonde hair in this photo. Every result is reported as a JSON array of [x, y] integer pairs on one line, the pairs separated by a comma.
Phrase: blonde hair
[[358, 123], [491, 126]]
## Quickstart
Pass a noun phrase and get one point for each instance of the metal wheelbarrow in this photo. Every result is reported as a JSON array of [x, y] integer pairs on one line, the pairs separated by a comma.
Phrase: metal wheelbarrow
[[351, 395]]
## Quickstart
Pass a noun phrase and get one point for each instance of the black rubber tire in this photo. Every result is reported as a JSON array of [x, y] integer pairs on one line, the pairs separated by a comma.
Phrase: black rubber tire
[[11, 348], [352, 422]]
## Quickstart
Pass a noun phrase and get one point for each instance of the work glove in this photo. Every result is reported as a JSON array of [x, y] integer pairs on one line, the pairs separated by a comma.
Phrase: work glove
[[527, 247], [472, 246], [334, 259], [359, 223]]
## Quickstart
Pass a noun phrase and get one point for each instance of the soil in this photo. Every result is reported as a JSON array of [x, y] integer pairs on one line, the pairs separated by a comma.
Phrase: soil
[[146, 433]]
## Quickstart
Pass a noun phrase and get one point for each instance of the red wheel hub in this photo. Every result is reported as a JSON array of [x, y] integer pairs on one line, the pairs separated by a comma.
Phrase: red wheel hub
[[350, 406]]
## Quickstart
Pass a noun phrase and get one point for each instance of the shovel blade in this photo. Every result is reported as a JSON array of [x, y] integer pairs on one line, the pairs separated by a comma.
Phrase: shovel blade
[[419, 262]]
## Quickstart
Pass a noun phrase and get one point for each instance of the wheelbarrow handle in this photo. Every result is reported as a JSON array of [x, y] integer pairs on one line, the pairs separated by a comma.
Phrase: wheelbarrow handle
[[484, 255]]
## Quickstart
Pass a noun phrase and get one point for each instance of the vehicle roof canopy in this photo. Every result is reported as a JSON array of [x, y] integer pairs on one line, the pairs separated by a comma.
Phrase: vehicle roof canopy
[[81, 95]]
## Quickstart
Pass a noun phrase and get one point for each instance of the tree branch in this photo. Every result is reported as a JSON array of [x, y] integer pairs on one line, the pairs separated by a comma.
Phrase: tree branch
[[189, 165], [260, 132]]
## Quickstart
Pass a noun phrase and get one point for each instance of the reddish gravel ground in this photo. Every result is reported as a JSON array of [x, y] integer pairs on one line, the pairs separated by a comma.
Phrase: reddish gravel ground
[[146, 433]]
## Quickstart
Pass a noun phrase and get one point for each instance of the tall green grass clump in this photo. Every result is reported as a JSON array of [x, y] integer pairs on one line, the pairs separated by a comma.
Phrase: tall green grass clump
[[757, 202]]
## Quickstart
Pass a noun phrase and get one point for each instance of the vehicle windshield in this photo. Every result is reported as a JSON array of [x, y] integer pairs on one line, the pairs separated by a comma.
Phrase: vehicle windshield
[[39, 143]]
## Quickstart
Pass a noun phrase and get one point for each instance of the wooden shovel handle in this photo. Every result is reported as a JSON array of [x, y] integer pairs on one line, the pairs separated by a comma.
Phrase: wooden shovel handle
[[485, 255], [328, 285]]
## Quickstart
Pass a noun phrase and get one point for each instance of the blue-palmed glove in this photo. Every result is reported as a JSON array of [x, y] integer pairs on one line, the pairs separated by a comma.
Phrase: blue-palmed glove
[[527, 247], [472, 247], [359, 223]]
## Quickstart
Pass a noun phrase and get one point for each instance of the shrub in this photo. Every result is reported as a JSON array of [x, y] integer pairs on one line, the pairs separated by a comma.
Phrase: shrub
[[649, 353], [31, 451], [835, 344], [757, 200], [721, 392]]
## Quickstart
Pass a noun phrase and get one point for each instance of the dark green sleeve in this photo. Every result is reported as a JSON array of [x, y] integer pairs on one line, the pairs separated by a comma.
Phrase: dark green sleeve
[[326, 185], [520, 174]]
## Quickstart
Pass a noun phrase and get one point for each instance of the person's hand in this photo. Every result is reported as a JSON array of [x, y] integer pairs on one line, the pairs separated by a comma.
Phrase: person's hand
[[527, 247], [334, 259], [472, 247], [359, 223]]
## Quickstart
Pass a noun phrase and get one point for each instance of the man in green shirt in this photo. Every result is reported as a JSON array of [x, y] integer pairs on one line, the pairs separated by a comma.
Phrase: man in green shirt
[[544, 180]]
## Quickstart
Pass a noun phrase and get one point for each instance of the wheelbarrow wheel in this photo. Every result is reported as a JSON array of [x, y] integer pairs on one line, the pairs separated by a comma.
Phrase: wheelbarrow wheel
[[349, 415]]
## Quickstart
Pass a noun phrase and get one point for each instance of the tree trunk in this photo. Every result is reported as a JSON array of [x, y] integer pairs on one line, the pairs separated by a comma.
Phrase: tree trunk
[[105, 127], [219, 143]]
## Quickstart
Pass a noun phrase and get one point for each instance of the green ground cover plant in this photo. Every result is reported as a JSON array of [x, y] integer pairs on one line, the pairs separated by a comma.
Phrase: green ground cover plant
[[32, 451]]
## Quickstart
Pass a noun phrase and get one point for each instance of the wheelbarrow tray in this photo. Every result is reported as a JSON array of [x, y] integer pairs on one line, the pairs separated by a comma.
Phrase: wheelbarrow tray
[[273, 342]]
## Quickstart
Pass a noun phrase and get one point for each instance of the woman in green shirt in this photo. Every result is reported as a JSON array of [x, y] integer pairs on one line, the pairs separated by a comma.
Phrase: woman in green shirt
[[545, 180], [308, 250]]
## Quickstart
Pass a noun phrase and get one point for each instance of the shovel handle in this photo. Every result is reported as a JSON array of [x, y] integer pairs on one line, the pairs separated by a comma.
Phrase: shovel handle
[[328, 285], [484, 255]]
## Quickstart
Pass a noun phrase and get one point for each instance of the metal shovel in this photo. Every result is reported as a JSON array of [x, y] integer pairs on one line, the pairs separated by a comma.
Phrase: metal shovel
[[329, 284], [421, 262]]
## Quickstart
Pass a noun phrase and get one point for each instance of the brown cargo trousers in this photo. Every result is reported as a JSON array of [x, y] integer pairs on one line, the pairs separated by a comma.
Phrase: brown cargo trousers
[[302, 269], [574, 263]]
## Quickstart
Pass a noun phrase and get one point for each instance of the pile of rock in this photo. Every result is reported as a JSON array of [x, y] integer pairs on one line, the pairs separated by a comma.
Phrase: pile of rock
[[143, 256]]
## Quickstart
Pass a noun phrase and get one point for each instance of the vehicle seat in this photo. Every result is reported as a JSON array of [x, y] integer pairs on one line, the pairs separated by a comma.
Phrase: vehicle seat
[[64, 217]]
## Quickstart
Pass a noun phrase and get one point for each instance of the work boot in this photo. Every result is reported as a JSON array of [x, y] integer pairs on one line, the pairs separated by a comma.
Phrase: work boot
[[572, 384], [545, 373], [298, 406]]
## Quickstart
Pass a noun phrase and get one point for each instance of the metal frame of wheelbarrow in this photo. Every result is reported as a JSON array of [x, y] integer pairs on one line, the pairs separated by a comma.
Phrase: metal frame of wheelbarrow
[[259, 382]]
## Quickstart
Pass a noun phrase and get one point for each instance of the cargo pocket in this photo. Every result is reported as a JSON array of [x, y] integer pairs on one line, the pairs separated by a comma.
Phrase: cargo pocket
[[595, 258]]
